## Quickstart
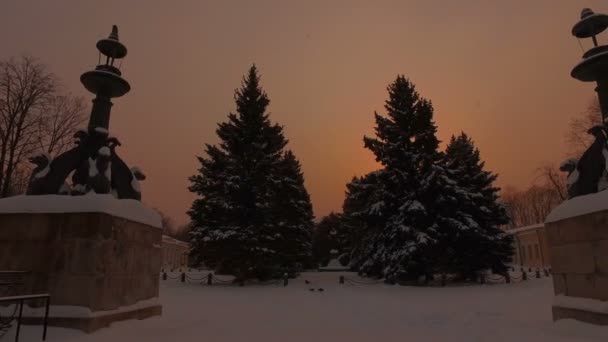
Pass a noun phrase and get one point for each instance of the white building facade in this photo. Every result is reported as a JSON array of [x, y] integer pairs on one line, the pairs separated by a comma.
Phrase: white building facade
[[175, 253]]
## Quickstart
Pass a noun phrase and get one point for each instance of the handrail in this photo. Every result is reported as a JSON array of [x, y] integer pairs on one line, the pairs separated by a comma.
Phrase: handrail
[[25, 297], [21, 300]]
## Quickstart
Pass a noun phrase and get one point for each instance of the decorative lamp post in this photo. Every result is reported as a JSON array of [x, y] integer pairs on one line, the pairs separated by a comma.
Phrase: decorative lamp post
[[588, 175], [106, 81], [93, 162], [594, 66]]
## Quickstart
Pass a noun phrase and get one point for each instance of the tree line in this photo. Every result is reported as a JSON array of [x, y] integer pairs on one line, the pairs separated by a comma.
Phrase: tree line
[[424, 213]]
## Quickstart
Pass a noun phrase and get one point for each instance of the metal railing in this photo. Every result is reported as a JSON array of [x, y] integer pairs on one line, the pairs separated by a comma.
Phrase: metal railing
[[509, 277], [20, 300], [211, 279]]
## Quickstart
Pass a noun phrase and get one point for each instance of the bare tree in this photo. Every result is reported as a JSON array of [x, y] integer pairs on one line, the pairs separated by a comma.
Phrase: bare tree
[[64, 115], [166, 222], [33, 116], [533, 204], [182, 232], [552, 177], [577, 137], [530, 206], [25, 89]]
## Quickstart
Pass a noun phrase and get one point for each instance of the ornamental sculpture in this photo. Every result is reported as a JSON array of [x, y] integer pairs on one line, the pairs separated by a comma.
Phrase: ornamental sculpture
[[93, 163], [588, 174]]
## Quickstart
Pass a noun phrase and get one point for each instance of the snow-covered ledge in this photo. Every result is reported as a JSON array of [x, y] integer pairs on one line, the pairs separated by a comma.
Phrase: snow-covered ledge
[[71, 311], [582, 304], [92, 203], [578, 206], [578, 240]]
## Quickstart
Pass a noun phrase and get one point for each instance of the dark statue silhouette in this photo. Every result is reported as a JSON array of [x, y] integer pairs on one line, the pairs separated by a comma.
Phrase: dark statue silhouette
[[588, 175], [590, 169], [93, 162]]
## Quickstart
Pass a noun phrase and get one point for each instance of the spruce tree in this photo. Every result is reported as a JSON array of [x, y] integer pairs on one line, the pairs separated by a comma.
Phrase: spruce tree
[[252, 211], [486, 246], [399, 228], [332, 233], [361, 194], [293, 215], [411, 207]]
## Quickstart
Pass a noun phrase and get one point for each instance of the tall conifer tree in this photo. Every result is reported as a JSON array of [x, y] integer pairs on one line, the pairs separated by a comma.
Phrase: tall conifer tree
[[399, 228], [411, 207], [293, 215], [253, 215], [486, 246]]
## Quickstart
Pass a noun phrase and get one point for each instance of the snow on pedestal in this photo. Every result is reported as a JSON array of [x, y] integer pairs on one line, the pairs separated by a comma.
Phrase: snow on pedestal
[[91, 203], [579, 206], [578, 243], [101, 130], [71, 311], [583, 304], [97, 256]]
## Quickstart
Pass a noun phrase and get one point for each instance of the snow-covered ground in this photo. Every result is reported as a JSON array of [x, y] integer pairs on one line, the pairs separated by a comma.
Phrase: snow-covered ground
[[194, 312]]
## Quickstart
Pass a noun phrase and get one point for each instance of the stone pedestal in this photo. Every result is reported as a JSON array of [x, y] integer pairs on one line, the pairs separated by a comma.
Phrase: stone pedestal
[[579, 259], [97, 267]]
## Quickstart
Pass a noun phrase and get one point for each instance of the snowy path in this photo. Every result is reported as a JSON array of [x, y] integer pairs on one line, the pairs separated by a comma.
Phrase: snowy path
[[517, 312]]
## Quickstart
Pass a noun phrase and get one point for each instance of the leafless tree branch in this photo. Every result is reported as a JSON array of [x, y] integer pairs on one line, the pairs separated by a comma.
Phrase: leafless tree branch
[[32, 116], [577, 137]]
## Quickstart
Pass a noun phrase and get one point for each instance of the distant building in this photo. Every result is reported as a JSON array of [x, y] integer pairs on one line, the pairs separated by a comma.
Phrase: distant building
[[530, 246], [175, 253]]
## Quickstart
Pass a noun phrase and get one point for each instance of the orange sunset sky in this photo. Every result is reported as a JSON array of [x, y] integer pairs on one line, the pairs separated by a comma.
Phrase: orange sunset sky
[[499, 70]]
